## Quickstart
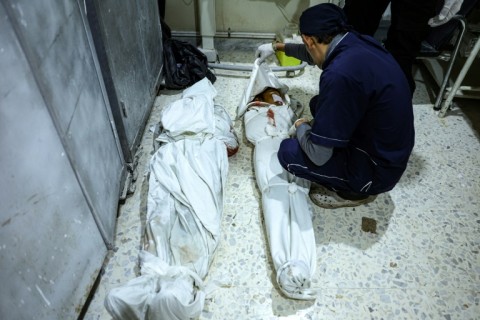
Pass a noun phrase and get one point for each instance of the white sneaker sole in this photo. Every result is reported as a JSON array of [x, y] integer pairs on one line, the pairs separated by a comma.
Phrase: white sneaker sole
[[327, 199]]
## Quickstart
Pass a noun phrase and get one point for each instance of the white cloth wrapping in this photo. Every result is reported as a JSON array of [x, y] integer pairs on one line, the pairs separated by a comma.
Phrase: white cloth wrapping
[[286, 206], [161, 292], [261, 78], [184, 209]]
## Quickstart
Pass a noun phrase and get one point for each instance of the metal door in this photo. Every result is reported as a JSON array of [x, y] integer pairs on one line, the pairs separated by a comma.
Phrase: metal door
[[61, 161], [128, 40]]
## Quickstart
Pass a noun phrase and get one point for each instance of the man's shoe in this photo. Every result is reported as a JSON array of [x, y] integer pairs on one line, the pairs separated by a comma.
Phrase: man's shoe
[[328, 199]]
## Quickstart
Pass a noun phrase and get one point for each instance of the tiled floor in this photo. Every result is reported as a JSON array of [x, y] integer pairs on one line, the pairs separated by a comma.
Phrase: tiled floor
[[423, 262]]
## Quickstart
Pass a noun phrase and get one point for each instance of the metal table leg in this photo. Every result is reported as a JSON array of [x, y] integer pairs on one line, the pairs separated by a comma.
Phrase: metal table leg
[[459, 80], [453, 57]]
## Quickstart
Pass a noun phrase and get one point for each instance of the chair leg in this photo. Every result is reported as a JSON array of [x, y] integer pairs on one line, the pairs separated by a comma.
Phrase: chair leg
[[446, 78], [458, 81]]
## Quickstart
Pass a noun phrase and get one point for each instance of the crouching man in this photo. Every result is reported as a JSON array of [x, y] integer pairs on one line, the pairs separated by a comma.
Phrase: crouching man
[[361, 136]]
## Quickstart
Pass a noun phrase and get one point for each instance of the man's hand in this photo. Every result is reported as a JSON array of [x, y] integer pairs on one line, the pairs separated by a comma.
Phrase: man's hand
[[450, 8], [300, 121], [264, 51]]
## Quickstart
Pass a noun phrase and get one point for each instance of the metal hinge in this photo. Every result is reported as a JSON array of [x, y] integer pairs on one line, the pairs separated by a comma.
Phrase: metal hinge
[[132, 175]]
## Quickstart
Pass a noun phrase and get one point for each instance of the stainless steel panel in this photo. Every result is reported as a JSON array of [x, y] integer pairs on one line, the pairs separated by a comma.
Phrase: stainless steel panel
[[50, 247], [131, 34], [39, 23], [54, 38], [152, 45]]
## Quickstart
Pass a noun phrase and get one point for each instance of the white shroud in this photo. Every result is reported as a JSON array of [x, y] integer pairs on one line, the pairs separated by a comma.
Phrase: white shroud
[[184, 210], [287, 209]]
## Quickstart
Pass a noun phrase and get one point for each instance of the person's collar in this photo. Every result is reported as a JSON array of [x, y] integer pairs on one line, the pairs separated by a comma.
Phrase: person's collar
[[336, 40]]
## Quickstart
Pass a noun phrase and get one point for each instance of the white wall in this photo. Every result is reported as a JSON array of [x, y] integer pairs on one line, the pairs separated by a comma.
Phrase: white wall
[[253, 16]]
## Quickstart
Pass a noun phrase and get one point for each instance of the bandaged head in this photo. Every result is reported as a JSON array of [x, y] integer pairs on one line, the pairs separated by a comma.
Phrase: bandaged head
[[323, 19]]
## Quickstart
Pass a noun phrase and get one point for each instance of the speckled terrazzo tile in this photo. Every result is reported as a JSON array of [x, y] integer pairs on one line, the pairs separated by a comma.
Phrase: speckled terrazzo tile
[[444, 134], [423, 303], [350, 303], [250, 302], [416, 250], [444, 169], [438, 185]]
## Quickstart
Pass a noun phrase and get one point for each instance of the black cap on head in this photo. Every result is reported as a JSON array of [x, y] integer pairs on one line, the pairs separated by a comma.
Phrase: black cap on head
[[324, 18]]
